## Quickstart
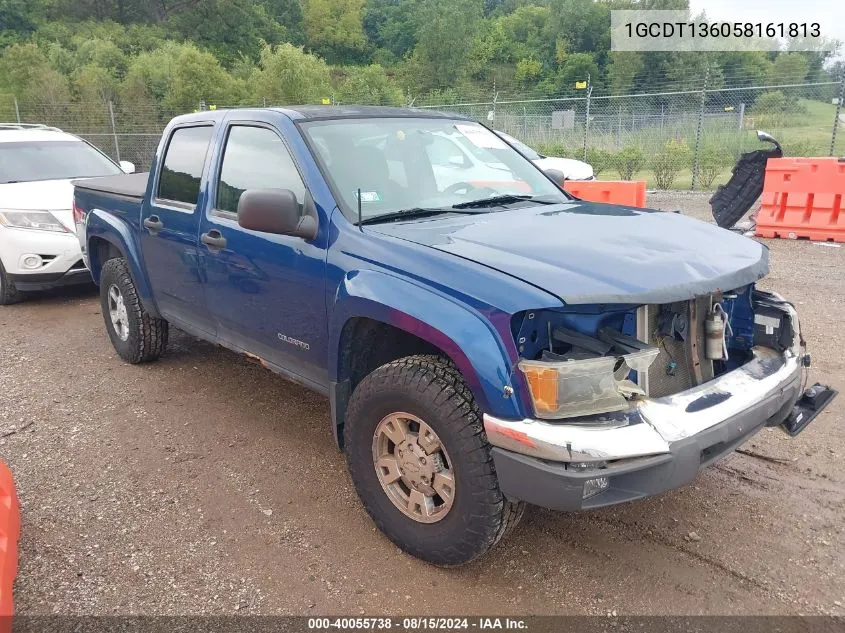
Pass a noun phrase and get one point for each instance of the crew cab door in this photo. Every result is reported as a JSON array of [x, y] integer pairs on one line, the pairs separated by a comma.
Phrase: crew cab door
[[266, 292], [170, 230]]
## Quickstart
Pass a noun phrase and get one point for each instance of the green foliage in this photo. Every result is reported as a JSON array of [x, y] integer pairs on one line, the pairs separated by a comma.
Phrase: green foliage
[[711, 162], [228, 28], [167, 55], [368, 84], [334, 29], [668, 162], [628, 161], [390, 25], [601, 160], [444, 41], [789, 68], [286, 74], [774, 109], [575, 67]]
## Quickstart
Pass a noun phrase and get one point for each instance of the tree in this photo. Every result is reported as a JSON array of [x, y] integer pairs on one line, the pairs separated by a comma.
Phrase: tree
[[198, 76], [583, 24], [391, 25], [576, 67], [228, 28], [789, 68], [19, 65], [622, 71], [288, 13], [368, 85], [287, 74], [18, 20], [334, 29], [445, 40]]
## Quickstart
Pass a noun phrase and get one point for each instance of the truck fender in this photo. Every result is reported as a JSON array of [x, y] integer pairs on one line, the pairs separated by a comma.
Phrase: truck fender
[[469, 339], [118, 233]]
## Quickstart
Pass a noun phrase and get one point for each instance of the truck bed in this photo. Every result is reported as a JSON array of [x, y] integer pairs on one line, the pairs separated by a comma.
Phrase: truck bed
[[126, 185]]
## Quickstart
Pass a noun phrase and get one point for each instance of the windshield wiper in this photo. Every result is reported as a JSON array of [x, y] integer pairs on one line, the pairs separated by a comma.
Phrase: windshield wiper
[[416, 212], [495, 201]]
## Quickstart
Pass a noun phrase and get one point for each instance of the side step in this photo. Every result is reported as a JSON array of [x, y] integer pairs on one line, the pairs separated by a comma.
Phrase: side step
[[813, 402]]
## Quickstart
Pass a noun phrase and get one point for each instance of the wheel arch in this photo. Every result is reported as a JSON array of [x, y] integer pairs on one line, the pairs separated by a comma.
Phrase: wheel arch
[[378, 318], [108, 237]]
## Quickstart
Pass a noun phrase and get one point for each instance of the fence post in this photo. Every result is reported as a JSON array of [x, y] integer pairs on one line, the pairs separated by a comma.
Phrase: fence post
[[587, 117], [698, 132], [114, 131], [619, 129], [836, 116], [17, 110]]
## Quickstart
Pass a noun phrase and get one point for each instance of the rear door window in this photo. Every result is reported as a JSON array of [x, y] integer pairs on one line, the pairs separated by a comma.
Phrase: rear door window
[[184, 159]]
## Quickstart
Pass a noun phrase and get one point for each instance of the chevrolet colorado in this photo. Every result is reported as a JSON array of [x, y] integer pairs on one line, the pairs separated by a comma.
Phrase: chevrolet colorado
[[483, 343]]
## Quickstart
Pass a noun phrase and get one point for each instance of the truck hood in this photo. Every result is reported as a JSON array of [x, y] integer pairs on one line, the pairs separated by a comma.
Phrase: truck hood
[[55, 196], [584, 252]]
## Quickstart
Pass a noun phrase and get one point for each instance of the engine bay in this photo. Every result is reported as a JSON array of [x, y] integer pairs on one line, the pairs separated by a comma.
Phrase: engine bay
[[598, 358]]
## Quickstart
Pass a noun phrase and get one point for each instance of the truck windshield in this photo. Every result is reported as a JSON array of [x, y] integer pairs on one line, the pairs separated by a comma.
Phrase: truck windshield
[[52, 160], [407, 163]]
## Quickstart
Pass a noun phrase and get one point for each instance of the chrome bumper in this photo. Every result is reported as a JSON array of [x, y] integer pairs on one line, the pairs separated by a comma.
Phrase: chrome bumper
[[746, 399]]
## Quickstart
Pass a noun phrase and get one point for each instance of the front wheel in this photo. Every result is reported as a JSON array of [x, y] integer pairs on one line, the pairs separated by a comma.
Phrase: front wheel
[[421, 463], [137, 337]]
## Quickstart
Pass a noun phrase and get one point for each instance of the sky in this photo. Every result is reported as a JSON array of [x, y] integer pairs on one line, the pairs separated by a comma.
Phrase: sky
[[830, 14]]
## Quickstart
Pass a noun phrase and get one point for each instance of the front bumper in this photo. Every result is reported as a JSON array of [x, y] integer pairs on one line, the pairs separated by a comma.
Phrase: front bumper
[[46, 281], [657, 445], [59, 252]]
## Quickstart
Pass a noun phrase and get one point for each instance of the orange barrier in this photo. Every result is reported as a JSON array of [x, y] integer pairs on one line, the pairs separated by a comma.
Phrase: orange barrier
[[802, 199], [630, 193], [10, 529]]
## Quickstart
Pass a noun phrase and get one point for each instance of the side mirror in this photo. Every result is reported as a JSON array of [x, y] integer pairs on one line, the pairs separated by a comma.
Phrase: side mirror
[[276, 211], [458, 161], [127, 167], [555, 175]]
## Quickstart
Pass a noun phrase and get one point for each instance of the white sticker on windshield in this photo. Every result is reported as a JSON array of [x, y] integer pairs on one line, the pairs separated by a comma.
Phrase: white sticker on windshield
[[369, 196], [481, 137]]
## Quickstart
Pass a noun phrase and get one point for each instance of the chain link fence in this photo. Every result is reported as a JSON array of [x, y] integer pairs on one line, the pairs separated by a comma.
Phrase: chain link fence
[[674, 139]]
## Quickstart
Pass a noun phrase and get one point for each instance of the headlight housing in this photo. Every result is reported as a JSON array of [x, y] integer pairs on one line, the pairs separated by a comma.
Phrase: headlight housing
[[32, 220], [589, 386]]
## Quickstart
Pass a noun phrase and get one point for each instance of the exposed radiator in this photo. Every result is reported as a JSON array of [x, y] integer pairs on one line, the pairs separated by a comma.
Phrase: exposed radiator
[[680, 364]]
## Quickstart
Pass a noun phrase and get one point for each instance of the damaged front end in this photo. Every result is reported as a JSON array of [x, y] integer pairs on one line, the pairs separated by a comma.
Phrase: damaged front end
[[598, 359], [631, 400]]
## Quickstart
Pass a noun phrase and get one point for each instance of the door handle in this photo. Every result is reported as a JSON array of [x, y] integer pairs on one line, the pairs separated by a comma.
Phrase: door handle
[[153, 223], [213, 239]]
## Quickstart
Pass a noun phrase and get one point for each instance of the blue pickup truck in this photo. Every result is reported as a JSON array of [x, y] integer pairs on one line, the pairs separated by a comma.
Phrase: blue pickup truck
[[485, 339]]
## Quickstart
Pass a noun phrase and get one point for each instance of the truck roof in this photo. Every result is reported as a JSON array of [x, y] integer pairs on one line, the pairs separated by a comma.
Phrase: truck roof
[[327, 112]]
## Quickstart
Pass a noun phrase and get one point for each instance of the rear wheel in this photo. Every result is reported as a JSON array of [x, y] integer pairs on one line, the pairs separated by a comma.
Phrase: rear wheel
[[8, 292], [421, 463], [137, 337]]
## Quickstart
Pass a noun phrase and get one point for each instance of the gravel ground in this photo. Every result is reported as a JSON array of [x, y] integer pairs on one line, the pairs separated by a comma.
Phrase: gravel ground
[[203, 484]]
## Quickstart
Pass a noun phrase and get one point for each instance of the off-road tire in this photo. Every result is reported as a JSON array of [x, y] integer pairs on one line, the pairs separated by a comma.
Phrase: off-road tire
[[431, 388], [9, 294], [147, 335]]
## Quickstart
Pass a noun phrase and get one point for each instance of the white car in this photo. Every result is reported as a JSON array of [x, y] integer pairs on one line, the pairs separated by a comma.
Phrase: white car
[[38, 244], [571, 169]]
